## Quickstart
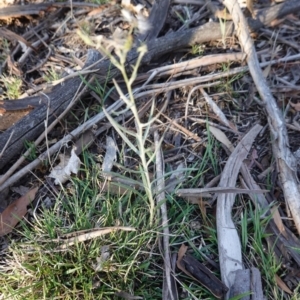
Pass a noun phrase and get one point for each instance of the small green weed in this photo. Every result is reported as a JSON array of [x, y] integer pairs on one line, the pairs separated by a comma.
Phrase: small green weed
[[227, 84], [198, 50], [4, 47], [13, 86], [51, 75], [253, 236], [99, 2], [33, 151]]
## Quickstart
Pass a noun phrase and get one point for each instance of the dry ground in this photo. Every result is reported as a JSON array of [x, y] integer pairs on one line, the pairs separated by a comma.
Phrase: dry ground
[[225, 150]]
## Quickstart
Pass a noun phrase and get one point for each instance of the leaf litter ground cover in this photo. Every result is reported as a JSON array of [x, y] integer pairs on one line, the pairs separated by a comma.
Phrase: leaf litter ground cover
[[179, 167]]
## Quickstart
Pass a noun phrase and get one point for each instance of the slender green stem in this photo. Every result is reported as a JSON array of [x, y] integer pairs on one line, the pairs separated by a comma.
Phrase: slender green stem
[[130, 102]]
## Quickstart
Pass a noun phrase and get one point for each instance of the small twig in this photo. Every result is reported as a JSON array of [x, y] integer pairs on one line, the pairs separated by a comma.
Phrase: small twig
[[39, 65], [6, 145], [203, 121], [184, 130], [193, 2], [89, 235], [29, 50], [270, 33], [160, 199], [198, 62], [46, 129]]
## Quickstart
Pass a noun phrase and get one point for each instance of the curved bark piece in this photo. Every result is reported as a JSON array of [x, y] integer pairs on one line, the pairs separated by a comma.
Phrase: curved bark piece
[[228, 240]]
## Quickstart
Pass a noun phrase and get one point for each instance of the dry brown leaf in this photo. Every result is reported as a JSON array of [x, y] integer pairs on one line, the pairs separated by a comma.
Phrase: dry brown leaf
[[295, 105], [221, 137], [282, 285], [278, 221], [12, 215], [181, 252]]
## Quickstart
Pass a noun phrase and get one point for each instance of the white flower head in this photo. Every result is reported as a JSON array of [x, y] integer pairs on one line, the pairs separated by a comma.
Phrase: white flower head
[[127, 15], [125, 3], [142, 23]]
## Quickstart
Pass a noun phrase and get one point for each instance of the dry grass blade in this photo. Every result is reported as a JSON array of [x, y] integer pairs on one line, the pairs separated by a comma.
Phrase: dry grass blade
[[218, 190]]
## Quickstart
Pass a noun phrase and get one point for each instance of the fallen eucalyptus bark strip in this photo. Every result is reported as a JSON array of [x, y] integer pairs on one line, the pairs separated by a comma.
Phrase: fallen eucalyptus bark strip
[[285, 242], [11, 36], [157, 18], [267, 15], [228, 240], [285, 161], [29, 50], [199, 272], [165, 87]]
